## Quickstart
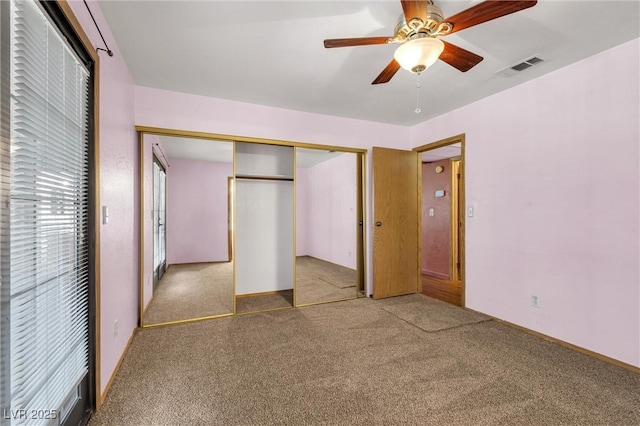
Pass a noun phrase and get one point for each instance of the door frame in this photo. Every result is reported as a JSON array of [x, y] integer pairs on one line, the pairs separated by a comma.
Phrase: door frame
[[230, 189], [460, 207]]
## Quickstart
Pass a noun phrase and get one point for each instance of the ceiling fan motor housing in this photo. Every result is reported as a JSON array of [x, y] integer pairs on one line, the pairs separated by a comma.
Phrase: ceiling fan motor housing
[[434, 17], [433, 26]]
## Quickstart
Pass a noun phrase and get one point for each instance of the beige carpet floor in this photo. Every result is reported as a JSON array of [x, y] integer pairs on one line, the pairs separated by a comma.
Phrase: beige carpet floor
[[264, 302], [357, 363], [192, 290], [320, 281], [198, 290]]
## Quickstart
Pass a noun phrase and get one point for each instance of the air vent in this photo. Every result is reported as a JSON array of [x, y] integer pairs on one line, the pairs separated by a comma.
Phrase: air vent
[[521, 66]]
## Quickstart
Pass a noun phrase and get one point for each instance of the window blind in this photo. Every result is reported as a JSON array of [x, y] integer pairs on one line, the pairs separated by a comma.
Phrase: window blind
[[48, 260]]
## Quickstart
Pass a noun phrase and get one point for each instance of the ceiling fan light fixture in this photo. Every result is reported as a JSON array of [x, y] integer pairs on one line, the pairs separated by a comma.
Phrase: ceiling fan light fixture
[[419, 54]]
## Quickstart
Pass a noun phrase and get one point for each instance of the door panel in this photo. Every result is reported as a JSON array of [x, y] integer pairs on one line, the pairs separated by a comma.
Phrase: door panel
[[395, 235]]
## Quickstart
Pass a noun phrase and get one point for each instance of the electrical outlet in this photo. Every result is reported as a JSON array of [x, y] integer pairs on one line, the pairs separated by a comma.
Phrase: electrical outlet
[[535, 301], [115, 328]]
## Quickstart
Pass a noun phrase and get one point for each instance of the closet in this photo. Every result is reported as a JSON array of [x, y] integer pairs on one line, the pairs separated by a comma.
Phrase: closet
[[264, 244], [293, 214]]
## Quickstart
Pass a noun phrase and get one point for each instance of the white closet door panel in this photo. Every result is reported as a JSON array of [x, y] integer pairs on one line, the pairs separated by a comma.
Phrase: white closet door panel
[[264, 236], [257, 159]]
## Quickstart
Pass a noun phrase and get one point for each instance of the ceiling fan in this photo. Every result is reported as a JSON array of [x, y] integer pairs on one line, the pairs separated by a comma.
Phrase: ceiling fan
[[418, 30]]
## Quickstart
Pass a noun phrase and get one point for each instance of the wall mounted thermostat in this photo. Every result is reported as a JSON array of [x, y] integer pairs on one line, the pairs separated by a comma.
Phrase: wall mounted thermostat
[[440, 193]]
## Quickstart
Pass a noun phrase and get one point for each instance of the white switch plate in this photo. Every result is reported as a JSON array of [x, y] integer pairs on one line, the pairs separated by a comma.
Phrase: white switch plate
[[470, 212]]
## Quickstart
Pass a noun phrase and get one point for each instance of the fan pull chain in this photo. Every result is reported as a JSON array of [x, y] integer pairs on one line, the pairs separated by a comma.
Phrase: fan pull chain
[[418, 86]]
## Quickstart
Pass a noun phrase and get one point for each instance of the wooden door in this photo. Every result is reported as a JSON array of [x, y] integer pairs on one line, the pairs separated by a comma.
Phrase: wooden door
[[395, 235]]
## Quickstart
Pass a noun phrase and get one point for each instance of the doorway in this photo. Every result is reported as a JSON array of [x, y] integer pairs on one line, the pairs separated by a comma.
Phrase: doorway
[[442, 220]]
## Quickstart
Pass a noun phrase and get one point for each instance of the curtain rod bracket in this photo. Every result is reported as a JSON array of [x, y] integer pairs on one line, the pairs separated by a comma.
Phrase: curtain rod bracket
[[109, 52]]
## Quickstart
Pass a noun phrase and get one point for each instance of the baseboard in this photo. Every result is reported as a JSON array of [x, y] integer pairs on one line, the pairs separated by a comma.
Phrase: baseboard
[[262, 293], [434, 274], [103, 395], [568, 345]]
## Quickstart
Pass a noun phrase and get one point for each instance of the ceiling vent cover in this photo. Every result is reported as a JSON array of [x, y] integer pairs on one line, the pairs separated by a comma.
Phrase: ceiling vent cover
[[521, 66]]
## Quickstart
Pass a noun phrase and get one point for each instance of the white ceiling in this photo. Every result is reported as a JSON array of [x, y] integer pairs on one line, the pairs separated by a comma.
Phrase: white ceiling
[[271, 53], [197, 149], [183, 148]]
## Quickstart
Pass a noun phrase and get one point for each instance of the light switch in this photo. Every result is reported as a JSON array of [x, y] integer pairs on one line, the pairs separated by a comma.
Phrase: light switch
[[105, 215], [431, 212], [470, 212]]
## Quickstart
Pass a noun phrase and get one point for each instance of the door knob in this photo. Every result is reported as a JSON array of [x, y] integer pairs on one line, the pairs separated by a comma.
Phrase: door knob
[[378, 223]]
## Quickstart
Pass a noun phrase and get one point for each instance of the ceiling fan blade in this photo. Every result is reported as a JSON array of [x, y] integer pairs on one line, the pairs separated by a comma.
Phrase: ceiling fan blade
[[486, 11], [362, 41], [459, 58], [388, 73], [414, 9]]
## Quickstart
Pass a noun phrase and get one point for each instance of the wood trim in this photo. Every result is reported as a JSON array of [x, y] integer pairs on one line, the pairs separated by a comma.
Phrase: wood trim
[[205, 135], [97, 266], [295, 227], [186, 321], [262, 293], [115, 370], [141, 230], [230, 217], [71, 17], [276, 178], [454, 204], [568, 345], [234, 230], [88, 45], [441, 143]]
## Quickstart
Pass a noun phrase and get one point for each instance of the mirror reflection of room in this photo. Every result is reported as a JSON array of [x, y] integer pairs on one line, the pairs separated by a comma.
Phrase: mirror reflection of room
[[187, 223], [326, 226]]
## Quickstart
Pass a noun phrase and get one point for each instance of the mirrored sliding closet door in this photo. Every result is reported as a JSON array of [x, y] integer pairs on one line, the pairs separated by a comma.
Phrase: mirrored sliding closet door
[[187, 222], [328, 234]]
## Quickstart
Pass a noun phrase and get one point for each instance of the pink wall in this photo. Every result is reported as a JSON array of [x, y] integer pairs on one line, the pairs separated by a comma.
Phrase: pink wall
[[436, 229], [552, 172], [119, 255], [331, 210], [197, 218]]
